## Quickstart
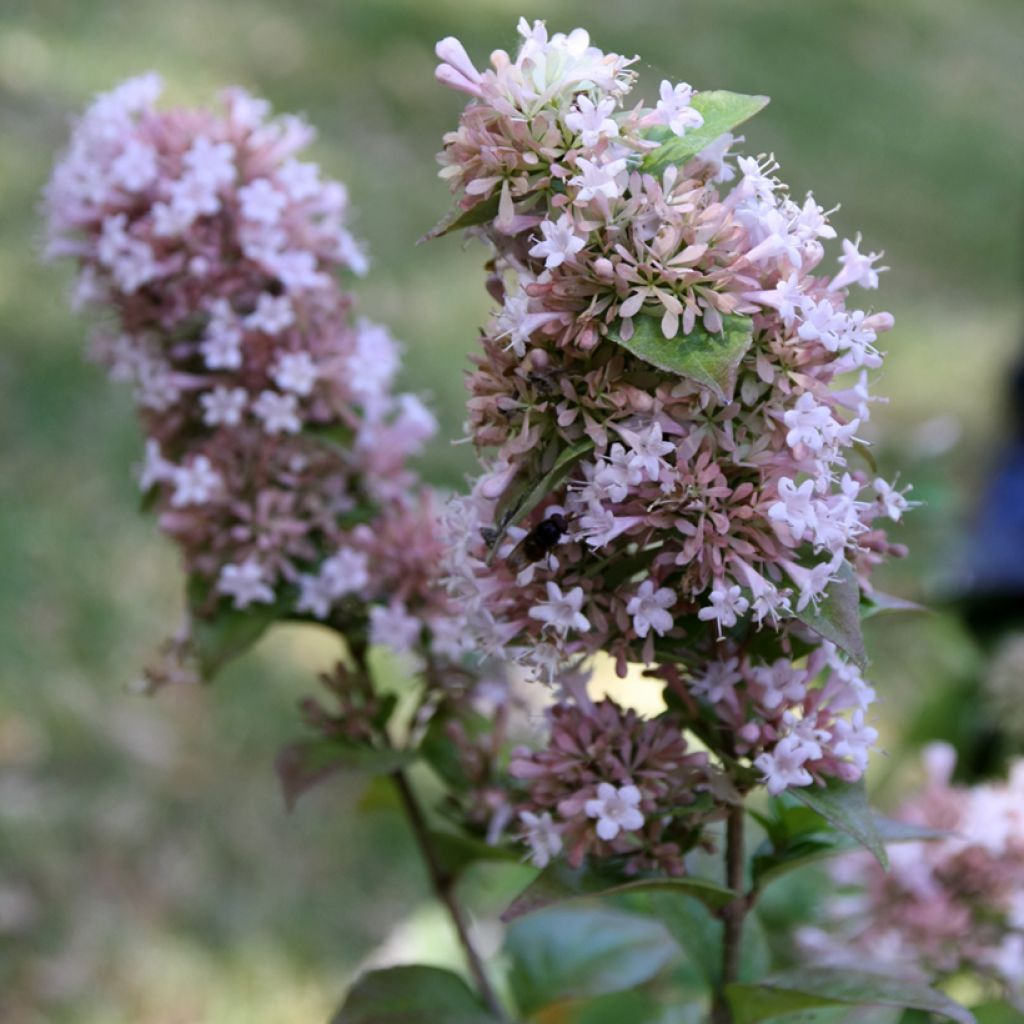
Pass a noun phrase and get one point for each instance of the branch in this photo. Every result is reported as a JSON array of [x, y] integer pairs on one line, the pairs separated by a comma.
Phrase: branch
[[732, 915], [443, 884]]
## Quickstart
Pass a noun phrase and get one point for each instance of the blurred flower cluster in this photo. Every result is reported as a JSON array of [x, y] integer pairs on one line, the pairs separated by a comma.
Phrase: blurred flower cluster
[[666, 400], [948, 905], [276, 451]]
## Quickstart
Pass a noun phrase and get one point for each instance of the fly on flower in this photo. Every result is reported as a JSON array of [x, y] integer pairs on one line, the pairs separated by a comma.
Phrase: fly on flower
[[540, 542]]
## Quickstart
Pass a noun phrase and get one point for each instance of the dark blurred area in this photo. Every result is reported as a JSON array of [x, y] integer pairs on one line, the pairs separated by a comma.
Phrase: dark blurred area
[[148, 871]]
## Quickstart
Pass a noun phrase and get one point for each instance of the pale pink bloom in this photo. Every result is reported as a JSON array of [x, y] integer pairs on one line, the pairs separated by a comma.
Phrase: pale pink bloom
[[649, 609], [725, 605], [560, 242], [541, 835], [245, 584], [857, 268], [599, 180], [561, 613], [273, 314], [592, 121], [392, 626], [196, 483], [224, 406], [673, 108], [278, 412], [296, 372], [617, 809], [261, 202], [893, 502]]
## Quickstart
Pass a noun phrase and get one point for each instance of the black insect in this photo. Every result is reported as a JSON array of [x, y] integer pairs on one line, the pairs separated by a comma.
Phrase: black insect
[[539, 542]]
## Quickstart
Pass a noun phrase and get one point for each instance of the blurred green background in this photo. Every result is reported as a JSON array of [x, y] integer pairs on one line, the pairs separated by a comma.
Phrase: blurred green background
[[148, 871]]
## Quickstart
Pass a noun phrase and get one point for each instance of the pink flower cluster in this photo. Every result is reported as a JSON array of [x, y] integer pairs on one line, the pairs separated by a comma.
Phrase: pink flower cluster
[[689, 517], [949, 905], [276, 449], [610, 784]]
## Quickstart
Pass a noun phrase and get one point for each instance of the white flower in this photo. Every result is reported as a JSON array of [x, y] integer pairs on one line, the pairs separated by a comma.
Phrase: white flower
[[561, 242], [648, 608], [777, 239], [783, 766], [196, 483], [787, 297], [155, 468], [674, 108], [221, 347], [223, 406], [297, 269], [541, 836], [273, 314], [300, 180], [814, 581], [296, 372], [315, 596], [823, 323], [616, 809], [392, 626], [278, 412], [894, 502], [616, 474], [261, 203], [714, 155], [561, 613], [718, 683], [600, 525], [647, 451], [372, 364], [795, 508], [809, 424], [592, 122], [136, 167], [853, 739], [212, 164], [245, 583], [857, 268], [345, 572], [607, 180], [781, 684], [517, 323], [414, 424], [726, 604]]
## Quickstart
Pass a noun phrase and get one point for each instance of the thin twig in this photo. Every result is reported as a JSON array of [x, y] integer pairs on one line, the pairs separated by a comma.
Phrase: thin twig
[[443, 884], [732, 915], [442, 881]]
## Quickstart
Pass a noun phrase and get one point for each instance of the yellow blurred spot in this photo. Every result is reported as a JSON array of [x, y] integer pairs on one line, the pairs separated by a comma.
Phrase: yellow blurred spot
[[636, 691]]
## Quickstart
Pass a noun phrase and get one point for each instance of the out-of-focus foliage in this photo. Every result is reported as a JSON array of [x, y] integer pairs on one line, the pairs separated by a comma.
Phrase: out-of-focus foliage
[[148, 872]]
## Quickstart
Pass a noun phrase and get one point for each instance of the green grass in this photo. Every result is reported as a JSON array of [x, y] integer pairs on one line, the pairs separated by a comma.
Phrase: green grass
[[163, 882]]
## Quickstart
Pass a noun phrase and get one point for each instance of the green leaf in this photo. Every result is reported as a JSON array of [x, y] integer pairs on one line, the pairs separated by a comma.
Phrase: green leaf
[[579, 952], [844, 805], [722, 111], [302, 765], [711, 360], [409, 995], [813, 987], [559, 882], [460, 218], [528, 495], [337, 436], [784, 852], [218, 638], [457, 852], [999, 1012], [878, 603], [837, 616]]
